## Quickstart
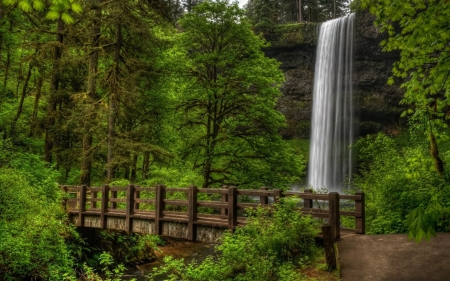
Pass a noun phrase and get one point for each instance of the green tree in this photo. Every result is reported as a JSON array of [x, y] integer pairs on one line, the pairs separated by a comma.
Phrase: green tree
[[419, 30], [228, 101]]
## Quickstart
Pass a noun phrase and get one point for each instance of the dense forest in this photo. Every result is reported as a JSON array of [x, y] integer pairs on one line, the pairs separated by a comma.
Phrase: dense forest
[[180, 93]]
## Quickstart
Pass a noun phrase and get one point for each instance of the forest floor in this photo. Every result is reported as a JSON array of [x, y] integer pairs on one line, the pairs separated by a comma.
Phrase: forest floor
[[394, 257]]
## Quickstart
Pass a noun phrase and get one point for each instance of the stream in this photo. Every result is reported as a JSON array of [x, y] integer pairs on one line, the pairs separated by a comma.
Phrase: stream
[[175, 248]]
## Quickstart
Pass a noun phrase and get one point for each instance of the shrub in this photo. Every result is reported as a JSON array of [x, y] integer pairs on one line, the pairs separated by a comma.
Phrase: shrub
[[267, 248], [32, 227]]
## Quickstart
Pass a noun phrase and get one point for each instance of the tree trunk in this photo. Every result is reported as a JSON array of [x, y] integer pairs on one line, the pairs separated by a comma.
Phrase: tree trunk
[[7, 66], [134, 168], [36, 104], [22, 98], [86, 161], [53, 100], [115, 89], [300, 15], [334, 9], [145, 165]]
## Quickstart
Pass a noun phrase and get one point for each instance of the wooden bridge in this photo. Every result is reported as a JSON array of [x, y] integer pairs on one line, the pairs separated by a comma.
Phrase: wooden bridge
[[180, 212]]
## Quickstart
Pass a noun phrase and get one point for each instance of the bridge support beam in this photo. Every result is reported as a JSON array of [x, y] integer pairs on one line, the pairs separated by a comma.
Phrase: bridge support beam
[[192, 213]]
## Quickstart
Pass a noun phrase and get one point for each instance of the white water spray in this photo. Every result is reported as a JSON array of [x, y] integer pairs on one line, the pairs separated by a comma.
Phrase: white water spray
[[332, 129]]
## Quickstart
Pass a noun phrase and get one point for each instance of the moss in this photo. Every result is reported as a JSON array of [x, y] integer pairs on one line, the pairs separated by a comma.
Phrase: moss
[[293, 34]]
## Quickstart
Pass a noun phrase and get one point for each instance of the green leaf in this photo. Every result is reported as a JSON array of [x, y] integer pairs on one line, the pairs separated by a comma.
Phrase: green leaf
[[67, 18], [38, 5], [25, 6], [52, 15], [76, 7]]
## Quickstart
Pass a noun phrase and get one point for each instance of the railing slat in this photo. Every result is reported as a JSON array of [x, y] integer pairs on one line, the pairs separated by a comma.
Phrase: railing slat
[[228, 206]]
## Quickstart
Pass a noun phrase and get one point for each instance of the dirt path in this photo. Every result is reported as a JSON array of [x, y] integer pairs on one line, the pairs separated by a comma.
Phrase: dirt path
[[393, 257]]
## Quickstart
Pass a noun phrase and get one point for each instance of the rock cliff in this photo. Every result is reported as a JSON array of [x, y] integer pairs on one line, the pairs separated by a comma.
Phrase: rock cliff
[[377, 103]]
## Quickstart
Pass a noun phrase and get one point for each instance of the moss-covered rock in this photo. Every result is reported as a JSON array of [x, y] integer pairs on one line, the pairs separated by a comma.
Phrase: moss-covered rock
[[294, 34]]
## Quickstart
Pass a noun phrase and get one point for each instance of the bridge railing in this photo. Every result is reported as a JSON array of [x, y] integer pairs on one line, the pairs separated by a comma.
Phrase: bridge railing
[[152, 203]]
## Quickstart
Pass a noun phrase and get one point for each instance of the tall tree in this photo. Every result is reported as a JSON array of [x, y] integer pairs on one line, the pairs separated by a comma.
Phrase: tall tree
[[419, 30], [229, 101], [86, 161]]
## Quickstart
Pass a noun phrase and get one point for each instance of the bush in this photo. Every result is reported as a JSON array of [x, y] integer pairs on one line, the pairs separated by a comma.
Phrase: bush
[[396, 181], [267, 248], [32, 224]]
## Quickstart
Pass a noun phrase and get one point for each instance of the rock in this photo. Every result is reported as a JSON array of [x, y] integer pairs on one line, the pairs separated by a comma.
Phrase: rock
[[377, 104]]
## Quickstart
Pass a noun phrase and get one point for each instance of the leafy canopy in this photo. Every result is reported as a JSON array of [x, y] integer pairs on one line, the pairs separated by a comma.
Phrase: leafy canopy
[[419, 30], [228, 100]]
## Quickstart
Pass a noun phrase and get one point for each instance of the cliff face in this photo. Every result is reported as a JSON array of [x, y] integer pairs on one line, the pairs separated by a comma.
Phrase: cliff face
[[377, 103]]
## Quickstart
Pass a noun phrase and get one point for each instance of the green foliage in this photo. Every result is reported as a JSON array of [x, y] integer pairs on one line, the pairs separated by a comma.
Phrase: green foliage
[[88, 245], [227, 101], [290, 35], [402, 188], [111, 273], [32, 224], [419, 31], [267, 248]]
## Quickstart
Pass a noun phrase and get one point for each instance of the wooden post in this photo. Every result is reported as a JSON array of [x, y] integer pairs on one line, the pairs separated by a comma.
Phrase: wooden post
[[130, 208], [82, 207], [360, 221], [224, 199], [277, 194], [93, 196], [137, 195], [334, 217], [64, 200], [232, 208], [113, 204], [192, 213], [308, 203], [104, 207], [264, 199], [159, 208], [328, 244]]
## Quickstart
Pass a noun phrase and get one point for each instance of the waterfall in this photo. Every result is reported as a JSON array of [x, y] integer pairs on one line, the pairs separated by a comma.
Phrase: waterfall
[[332, 128]]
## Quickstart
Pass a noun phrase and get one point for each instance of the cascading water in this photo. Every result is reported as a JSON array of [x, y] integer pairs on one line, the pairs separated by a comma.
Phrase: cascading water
[[332, 125]]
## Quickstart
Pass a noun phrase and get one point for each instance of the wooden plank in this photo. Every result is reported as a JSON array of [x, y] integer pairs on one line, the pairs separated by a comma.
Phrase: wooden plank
[[328, 243], [243, 206], [350, 213], [263, 198], [232, 208], [82, 207], [175, 219], [192, 213], [212, 190], [117, 188], [176, 202], [224, 199], [104, 206], [213, 223], [185, 190], [334, 218], [93, 200], [144, 189], [360, 221], [253, 192], [212, 204], [129, 209], [159, 208], [120, 200], [148, 201], [308, 196]]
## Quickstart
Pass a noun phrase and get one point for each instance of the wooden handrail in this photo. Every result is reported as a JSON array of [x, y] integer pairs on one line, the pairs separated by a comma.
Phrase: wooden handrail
[[104, 201]]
